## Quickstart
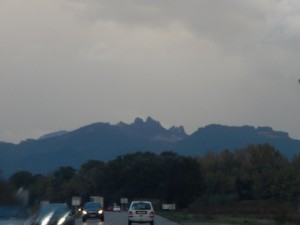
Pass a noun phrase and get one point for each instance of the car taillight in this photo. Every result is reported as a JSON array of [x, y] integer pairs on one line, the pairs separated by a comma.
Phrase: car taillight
[[130, 213], [152, 214]]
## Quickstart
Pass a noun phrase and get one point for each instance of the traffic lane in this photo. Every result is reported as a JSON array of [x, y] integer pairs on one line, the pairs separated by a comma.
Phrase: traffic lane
[[163, 221], [120, 218]]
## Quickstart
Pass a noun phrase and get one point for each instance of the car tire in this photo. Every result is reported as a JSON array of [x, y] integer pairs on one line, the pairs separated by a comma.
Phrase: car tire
[[102, 218], [151, 223], [129, 222], [83, 219]]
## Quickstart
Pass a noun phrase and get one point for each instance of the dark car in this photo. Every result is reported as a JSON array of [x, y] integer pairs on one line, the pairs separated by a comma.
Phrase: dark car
[[53, 214], [92, 210], [13, 214]]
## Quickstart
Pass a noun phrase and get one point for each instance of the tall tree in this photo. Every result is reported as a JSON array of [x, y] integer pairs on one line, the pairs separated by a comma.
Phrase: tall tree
[[262, 163], [92, 175], [21, 179]]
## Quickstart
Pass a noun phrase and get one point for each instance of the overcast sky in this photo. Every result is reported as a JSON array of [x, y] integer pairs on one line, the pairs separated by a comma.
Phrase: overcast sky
[[68, 63]]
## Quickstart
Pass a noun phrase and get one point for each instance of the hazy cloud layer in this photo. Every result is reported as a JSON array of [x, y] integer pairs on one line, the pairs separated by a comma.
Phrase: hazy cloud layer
[[68, 63]]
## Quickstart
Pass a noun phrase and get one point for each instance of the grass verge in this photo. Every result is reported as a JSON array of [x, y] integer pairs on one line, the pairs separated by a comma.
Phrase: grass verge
[[184, 218]]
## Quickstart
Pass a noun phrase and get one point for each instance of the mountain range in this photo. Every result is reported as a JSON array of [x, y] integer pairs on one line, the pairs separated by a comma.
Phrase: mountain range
[[104, 141]]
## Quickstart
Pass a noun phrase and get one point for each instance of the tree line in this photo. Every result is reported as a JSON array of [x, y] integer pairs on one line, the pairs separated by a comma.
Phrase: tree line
[[256, 172]]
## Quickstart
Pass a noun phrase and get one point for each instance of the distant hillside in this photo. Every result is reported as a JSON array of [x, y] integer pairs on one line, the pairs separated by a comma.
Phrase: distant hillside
[[218, 137], [54, 134], [103, 141]]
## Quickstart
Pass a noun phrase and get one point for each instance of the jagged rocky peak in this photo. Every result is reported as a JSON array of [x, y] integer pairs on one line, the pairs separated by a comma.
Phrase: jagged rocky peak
[[178, 131], [148, 121], [151, 123], [151, 128], [138, 121]]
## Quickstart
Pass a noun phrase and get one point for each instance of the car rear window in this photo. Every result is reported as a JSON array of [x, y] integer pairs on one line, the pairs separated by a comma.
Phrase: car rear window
[[92, 205], [141, 206]]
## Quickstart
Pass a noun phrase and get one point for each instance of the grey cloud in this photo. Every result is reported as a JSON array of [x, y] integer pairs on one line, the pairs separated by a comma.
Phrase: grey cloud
[[65, 64]]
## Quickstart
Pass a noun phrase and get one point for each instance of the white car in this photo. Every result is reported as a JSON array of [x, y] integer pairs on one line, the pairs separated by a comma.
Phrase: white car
[[141, 212], [116, 208]]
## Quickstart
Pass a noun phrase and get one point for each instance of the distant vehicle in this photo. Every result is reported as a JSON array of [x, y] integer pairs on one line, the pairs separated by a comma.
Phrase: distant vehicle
[[53, 214], [141, 212], [15, 215], [116, 208], [92, 210]]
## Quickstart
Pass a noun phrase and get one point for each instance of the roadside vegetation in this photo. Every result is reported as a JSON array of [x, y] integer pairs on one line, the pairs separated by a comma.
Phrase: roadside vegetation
[[255, 182], [185, 218]]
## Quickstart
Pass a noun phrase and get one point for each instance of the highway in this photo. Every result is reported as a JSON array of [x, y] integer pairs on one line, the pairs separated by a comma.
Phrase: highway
[[120, 218]]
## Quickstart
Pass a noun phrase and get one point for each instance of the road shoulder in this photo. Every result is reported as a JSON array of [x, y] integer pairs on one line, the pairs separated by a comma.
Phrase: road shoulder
[[199, 223]]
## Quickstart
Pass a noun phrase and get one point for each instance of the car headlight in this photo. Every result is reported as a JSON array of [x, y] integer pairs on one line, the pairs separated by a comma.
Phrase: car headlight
[[61, 221], [84, 212], [100, 211], [46, 220]]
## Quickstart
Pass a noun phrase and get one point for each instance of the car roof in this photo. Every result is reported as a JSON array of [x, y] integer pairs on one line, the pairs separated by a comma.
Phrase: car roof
[[140, 201], [56, 204]]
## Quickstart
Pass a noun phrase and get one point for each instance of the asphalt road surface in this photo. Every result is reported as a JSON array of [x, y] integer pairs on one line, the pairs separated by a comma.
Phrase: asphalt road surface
[[120, 218]]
